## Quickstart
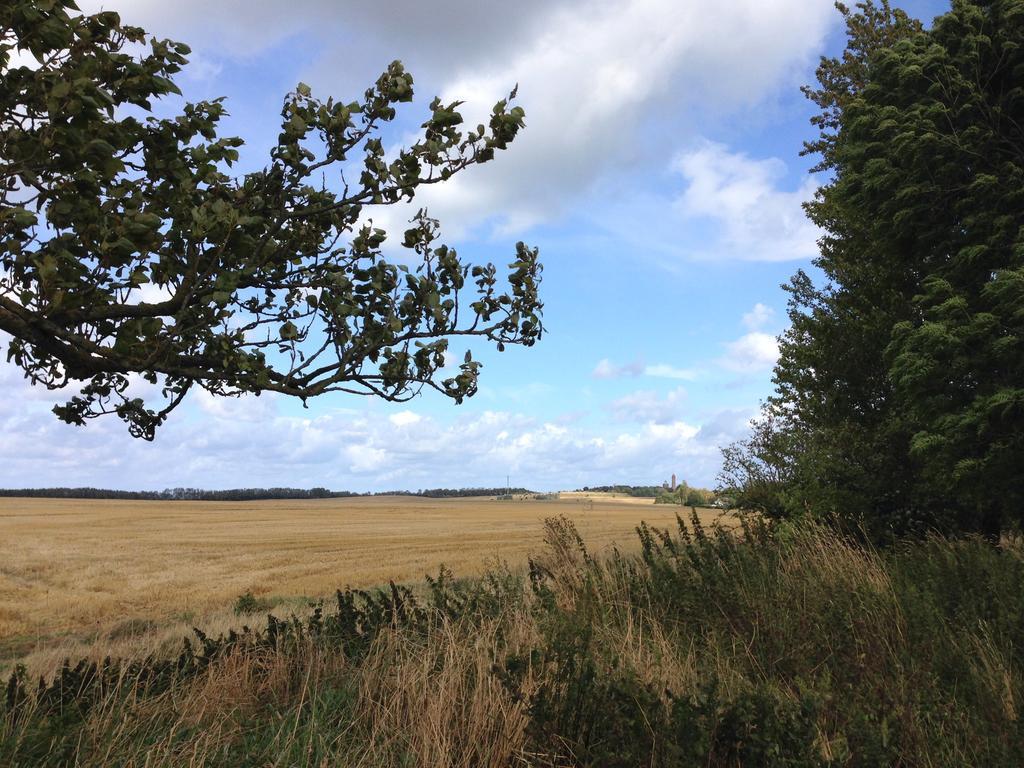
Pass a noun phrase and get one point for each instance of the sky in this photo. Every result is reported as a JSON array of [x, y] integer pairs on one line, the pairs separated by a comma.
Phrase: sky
[[659, 174]]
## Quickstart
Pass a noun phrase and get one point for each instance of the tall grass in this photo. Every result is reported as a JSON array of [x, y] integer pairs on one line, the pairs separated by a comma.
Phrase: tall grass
[[786, 646]]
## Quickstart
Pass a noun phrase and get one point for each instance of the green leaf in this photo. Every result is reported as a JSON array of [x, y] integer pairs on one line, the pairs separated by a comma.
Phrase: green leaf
[[289, 331]]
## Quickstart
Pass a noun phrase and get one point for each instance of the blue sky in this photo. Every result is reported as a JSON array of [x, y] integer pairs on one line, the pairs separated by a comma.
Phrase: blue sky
[[659, 174]]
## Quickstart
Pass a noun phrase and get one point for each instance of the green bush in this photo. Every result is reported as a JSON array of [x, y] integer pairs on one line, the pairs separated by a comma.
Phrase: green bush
[[248, 604]]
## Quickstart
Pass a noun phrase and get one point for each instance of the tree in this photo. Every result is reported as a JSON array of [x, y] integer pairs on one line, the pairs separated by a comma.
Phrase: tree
[[899, 404], [757, 471], [698, 497], [957, 363], [127, 249]]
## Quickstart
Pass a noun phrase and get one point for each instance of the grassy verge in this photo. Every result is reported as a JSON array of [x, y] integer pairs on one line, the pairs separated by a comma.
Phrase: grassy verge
[[788, 647]]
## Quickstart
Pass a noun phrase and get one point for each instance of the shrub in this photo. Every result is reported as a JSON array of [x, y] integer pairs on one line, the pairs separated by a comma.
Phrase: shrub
[[248, 604]]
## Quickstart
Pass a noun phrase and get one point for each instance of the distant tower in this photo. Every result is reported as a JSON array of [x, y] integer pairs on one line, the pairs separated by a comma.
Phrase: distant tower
[[673, 482]]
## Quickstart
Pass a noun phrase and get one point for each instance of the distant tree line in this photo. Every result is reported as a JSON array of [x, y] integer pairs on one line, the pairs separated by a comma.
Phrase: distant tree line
[[241, 494], [640, 491], [252, 494], [455, 493], [177, 494]]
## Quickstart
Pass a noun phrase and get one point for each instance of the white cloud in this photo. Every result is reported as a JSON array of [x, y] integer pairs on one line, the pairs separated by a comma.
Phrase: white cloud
[[238, 409], [203, 68], [757, 318], [725, 427], [646, 406], [754, 352], [404, 418], [22, 58], [253, 442], [593, 76], [606, 369], [755, 220], [663, 371], [364, 460], [151, 293], [241, 29], [587, 89]]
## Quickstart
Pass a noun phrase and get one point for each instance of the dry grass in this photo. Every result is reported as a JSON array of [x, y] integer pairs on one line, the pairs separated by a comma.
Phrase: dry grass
[[604, 497], [139, 574], [784, 646]]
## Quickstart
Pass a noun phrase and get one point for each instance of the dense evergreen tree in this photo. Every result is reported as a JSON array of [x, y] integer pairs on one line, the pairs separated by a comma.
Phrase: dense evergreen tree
[[900, 401]]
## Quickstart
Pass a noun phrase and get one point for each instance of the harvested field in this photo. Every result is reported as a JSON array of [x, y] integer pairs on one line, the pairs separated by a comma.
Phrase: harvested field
[[78, 570]]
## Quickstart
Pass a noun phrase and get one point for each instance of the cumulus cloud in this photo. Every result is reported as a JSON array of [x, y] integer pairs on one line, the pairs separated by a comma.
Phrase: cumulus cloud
[[588, 92], [726, 426], [647, 406], [404, 418], [760, 316], [347, 30], [754, 352], [254, 442], [755, 219]]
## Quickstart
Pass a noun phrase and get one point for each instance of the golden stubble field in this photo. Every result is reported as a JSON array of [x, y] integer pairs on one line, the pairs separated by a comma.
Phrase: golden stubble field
[[74, 571]]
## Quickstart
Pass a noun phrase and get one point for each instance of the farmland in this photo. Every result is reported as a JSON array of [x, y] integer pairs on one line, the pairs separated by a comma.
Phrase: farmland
[[135, 574], [712, 650]]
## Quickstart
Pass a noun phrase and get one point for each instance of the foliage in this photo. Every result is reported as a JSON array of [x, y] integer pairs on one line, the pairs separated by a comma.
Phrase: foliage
[[456, 493], [698, 497], [869, 28], [127, 249], [243, 494], [687, 496], [898, 406], [177, 494], [757, 470], [248, 604]]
